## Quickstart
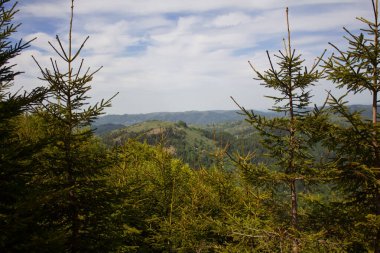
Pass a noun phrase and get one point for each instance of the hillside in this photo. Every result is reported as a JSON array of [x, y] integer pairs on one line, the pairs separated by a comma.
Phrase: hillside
[[194, 145], [189, 143]]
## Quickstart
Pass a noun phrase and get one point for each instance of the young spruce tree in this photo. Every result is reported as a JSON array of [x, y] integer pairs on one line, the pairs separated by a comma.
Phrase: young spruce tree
[[357, 143], [77, 198], [284, 137]]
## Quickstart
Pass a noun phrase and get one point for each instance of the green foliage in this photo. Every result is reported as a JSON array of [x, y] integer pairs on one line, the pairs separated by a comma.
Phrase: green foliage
[[301, 182], [188, 143], [15, 155], [182, 124], [356, 143], [153, 185], [194, 145], [285, 139], [76, 205], [167, 206]]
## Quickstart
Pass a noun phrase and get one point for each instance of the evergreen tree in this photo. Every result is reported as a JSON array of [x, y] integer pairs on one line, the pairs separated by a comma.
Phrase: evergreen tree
[[285, 138], [15, 155], [77, 201], [356, 144]]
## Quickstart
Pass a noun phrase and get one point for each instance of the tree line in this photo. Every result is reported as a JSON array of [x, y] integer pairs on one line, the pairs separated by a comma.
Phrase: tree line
[[63, 190]]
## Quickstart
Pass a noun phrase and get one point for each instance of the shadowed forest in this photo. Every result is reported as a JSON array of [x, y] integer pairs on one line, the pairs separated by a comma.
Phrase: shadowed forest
[[301, 179]]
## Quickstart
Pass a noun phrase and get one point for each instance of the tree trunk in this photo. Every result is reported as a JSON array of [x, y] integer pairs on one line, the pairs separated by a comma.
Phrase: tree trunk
[[377, 164], [374, 121], [377, 239], [293, 192]]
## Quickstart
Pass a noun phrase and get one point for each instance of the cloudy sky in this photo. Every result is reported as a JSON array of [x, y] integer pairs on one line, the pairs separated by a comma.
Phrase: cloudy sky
[[181, 55]]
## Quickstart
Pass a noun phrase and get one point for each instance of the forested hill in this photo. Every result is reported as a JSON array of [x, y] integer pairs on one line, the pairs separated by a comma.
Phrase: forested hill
[[194, 145], [190, 117], [111, 122], [196, 117]]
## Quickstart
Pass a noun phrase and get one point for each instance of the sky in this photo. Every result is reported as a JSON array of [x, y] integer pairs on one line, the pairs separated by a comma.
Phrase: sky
[[184, 55]]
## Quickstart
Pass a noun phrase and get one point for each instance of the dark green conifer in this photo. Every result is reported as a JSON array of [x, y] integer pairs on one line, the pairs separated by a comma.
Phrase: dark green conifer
[[356, 144], [15, 155], [285, 138], [77, 202]]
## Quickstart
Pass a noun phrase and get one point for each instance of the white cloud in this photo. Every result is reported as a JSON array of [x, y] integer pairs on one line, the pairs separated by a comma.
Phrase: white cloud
[[231, 19], [174, 55], [58, 8]]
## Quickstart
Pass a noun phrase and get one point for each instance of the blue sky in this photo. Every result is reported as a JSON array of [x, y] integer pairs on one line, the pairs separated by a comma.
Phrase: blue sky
[[181, 55]]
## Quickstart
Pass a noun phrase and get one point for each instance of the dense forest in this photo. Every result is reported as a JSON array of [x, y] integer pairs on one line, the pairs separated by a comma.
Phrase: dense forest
[[307, 181]]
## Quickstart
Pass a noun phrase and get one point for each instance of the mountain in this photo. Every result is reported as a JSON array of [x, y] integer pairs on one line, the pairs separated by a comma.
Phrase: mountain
[[366, 110], [111, 122], [191, 144], [190, 117], [194, 145], [195, 117]]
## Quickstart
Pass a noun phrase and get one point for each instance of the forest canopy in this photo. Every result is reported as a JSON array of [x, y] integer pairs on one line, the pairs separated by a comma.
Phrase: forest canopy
[[305, 179]]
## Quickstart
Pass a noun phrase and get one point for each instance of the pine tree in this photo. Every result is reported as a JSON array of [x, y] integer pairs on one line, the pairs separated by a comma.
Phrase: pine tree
[[15, 155], [78, 200], [357, 162], [285, 138]]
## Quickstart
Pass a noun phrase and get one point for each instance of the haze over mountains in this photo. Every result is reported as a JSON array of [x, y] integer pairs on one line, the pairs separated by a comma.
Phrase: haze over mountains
[[190, 117], [108, 123], [195, 117]]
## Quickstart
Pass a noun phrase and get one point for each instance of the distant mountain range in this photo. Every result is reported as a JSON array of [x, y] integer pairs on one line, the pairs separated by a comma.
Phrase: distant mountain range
[[190, 117], [366, 110], [188, 134], [112, 122]]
